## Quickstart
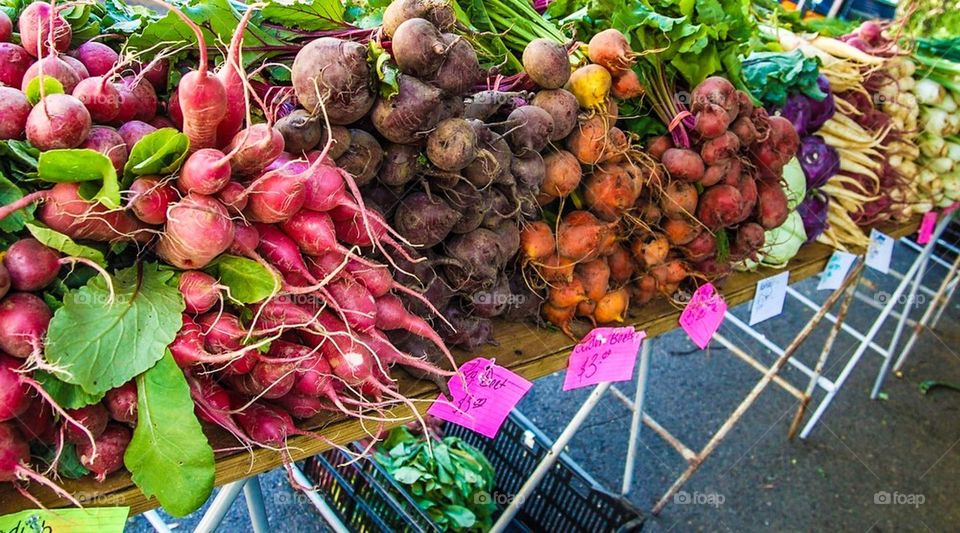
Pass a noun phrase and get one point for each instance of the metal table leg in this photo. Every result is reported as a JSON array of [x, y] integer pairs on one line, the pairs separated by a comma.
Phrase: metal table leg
[[221, 504], [255, 507], [636, 416], [156, 521], [329, 515]]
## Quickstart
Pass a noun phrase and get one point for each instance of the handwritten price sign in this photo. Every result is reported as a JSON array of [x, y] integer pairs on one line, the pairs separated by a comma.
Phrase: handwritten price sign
[[703, 315], [880, 251], [484, 401], [833, 275], [605, 354], [927, 225], [768, 300]]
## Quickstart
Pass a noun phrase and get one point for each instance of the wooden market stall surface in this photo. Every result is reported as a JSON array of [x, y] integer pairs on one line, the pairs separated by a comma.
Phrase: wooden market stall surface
[[523, 348]]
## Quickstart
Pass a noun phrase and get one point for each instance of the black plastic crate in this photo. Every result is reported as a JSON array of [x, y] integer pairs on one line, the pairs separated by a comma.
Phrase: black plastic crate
[[567, 499], [366, 499]]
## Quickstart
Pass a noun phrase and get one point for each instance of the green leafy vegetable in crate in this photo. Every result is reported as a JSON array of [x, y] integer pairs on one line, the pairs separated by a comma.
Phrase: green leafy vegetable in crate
[[449, 479]]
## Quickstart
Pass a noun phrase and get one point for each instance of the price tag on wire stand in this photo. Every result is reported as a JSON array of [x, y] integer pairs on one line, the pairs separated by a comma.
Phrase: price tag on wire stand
[[701, 318], [880, 251], [768, 300], [483, 395], [927, 225], [605, 354], [100, 519], [833, 275]]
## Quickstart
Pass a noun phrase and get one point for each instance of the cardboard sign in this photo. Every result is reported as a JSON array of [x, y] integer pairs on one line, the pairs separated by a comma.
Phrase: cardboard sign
[[833, 275], [768, 300], [99, 519], [880, 251], [703, 315], [483, 395], [605, 354]]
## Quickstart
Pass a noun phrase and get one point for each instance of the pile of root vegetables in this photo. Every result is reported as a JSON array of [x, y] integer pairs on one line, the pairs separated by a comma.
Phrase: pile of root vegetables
[[632, 223], [243, 205]]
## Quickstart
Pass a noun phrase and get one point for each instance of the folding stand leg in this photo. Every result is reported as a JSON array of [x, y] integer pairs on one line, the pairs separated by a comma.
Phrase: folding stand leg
[[822, 359], [221, 504], [158, 524], [924, 258], [945, 302], [255, 507], [738, 413], [329, 515], [637, 416], [862, 348], [927, 314]]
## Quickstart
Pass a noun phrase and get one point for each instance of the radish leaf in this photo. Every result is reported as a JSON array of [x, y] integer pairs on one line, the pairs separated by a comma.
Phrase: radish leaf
[[104, 344], [67, 395], [62, 243], [159, 153], [82, 165], [248, 280], [169, 456]]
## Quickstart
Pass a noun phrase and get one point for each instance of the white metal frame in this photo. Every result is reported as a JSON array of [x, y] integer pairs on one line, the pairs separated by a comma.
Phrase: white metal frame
[[222, 502]]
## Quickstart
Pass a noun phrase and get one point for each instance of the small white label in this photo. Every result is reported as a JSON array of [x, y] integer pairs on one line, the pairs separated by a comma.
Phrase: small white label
[[768, 301], [832, 277], [880, 251]]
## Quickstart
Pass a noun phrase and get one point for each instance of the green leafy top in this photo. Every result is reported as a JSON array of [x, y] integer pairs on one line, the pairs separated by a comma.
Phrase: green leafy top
[[772, 76], [169, 456], [696, 38], [160, 152], [445, 479], [101, 344]]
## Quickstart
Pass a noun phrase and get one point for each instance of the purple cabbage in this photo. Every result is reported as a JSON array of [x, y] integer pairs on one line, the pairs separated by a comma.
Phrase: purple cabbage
[[813, 211], [820, 112], [797, 110], [819, 161]]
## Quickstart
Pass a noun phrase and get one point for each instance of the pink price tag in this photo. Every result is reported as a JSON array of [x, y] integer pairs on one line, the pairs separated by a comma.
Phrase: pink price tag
[[703, 315], [605, 354], [491, 392], [927, 225]]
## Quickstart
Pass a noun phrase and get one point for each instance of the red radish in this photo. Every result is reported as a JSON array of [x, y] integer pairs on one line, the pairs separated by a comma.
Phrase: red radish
[[55, 68], [93, 418], [274, 197], [357, 304], [101, 98], [275, 380], [133, 131], [13, 392], [106, 456], [37, 423], [14, 62], [23, 323], [173, 109], [128, 104], [14, 462], [253, 148], [108, 142], [31, 265], [234, 197], [122, 403], [225, 337], [156, 73], [200, 291], [201, 95], [392, 315], [206, 171], [65, 211], [198, 229], [77, 66], [145, 97], [313, 232], [58, 121], [14, 108], [161, 122], [41, 25], [231, 75], [302, 407], [6, 27], [281, 251], [96, 57], [151, 199], [324, 188]]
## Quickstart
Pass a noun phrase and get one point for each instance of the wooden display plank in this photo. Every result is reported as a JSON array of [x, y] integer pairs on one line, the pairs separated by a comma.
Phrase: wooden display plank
[[527, 350]]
